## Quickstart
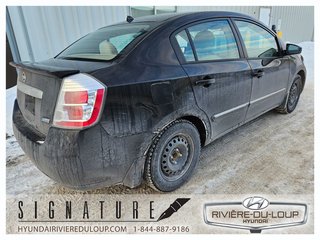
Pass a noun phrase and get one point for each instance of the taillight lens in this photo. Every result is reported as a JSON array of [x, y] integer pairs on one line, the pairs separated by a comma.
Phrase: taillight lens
[[79, 103]]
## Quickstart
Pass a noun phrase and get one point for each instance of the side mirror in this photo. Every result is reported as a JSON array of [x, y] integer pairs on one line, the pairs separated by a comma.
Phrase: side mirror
[[292, 49]]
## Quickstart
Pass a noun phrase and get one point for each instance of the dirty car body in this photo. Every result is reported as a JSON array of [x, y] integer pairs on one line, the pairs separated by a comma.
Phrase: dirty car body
[[174, 83]]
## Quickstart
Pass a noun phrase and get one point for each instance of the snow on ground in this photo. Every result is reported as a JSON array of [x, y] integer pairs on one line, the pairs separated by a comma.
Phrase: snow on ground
[[308, 55], [11, 95], [13, 149]]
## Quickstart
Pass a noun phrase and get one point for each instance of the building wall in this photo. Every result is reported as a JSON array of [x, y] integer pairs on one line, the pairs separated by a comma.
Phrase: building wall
[[295, 22], [43, 32], [249, 10]]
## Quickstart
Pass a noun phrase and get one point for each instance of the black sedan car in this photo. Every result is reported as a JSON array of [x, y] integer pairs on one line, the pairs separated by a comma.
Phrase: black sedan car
[[137, 100]]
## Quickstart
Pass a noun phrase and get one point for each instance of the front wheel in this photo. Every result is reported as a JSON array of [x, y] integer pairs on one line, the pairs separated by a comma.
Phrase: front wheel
[[293, 96], [173, 156]]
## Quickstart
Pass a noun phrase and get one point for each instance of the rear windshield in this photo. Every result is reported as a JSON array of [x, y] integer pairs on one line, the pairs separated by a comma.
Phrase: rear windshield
[[105, 43]]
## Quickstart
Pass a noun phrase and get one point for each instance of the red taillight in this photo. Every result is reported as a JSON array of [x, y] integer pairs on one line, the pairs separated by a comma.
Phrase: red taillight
[[76, 97], [96, 108], [80, 102]]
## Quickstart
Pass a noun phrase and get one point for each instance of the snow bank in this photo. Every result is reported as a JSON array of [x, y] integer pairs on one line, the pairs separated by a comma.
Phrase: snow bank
[[11, 95], [308, 55], [13, 149]]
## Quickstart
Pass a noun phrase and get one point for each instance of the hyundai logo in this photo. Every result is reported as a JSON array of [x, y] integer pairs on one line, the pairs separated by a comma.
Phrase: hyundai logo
[[23, 77], [255, 203]]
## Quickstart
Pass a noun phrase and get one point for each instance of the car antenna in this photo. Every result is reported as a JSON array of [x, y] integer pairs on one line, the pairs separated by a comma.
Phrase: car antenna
[[130, 19]]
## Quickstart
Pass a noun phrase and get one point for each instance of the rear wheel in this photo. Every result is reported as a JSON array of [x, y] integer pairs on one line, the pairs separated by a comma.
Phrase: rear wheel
[[173, 156], [292, 99]]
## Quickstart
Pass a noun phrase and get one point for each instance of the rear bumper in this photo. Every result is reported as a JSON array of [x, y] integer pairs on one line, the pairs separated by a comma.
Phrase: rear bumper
[[83, 159]]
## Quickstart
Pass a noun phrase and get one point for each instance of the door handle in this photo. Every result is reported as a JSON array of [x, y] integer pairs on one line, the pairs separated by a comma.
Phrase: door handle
[[257, 73], [205, 81]]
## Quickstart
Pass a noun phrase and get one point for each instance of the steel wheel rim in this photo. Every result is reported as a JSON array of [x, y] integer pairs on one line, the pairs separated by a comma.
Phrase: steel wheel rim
[[176, 157]]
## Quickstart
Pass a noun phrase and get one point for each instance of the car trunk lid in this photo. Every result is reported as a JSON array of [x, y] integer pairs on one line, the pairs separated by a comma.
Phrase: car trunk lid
[[38, 87]]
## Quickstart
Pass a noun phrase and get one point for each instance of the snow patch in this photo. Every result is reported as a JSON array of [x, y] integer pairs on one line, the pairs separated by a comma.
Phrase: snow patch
[[13, 149], [308, 55], [11, 95]]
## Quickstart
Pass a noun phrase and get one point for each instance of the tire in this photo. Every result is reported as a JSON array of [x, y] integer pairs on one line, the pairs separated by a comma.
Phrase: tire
[[173, 156], [292, 98]]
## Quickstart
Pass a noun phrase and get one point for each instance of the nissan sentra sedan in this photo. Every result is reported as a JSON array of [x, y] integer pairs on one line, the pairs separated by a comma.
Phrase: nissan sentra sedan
[[137, 100]]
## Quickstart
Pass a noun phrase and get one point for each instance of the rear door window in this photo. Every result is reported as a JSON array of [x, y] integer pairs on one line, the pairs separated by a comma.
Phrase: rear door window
[[185, 47], [212, 41]]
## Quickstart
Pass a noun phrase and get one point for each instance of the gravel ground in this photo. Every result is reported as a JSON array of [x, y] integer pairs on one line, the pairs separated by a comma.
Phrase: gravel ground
[[272, 154]]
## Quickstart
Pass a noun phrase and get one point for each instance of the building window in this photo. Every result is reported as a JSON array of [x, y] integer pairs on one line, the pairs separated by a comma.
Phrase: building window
[[140, 11], [165, 9]]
